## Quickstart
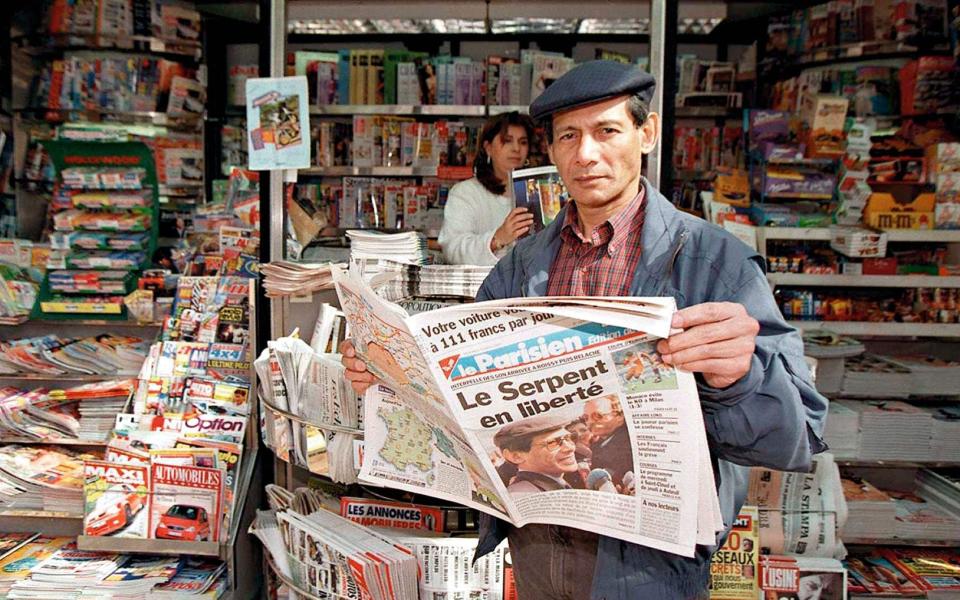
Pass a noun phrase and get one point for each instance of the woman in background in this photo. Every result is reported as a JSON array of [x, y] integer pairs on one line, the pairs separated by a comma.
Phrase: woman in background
[[480, 222]]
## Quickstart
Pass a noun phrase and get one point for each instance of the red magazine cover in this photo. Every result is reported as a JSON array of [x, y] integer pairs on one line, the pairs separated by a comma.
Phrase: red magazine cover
[[187, 503]]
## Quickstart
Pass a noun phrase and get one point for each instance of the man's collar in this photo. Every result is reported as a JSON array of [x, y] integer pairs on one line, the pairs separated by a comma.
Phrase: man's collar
[[619, 223]]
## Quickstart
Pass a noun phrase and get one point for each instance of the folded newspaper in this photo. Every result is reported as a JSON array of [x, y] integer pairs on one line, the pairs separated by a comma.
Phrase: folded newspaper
[[483, 404]]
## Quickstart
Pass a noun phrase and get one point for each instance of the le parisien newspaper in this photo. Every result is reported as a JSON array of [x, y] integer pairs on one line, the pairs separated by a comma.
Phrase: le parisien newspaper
[[453, 377]]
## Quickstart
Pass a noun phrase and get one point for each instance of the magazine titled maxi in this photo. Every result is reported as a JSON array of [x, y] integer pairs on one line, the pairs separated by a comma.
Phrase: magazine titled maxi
[[538, 410]]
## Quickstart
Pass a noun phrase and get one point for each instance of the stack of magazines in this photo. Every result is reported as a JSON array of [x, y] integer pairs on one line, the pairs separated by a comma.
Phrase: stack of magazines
[[104, 354], [282, 278], [461, 382], [42, 478], [84, 412], [870, 511], [39, 567], [904, 572], [930, 512]]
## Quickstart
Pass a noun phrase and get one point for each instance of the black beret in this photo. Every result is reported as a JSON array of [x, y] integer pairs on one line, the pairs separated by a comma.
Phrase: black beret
[[591, 82], [530, 427]]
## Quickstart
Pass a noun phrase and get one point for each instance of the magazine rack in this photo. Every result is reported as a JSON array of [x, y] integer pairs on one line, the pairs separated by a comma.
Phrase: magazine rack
[[120, 156], [236, 548]]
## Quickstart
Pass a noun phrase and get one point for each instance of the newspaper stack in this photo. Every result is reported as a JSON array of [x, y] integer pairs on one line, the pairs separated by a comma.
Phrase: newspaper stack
[[444, 572], [42, 478], [870, 511], [460, 382], [931, 375], [312, 386], [892, 430], [197, 578], [451, 280], [875, 376], [919, 519], [831, 351], [391, 279], [842, 431], [800, 513], [329, 330], [941, 486], [409, 247], [282, 278], [330, 554], [945, 434]]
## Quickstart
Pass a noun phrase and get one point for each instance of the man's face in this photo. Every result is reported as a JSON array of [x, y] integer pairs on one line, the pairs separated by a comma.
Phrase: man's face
[[598, 150], [604, 416], [550, 453]]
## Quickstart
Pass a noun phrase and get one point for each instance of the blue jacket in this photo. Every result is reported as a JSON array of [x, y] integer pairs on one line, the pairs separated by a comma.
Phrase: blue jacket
[[772, 417]]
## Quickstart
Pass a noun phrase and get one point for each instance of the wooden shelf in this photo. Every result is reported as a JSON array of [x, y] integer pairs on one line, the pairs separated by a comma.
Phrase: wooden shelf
[[888, 281], [882, 329]]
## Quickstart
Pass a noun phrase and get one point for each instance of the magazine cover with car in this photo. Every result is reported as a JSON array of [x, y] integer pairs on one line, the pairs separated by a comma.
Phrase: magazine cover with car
[[116, 498], [187, 503], [537, 410]]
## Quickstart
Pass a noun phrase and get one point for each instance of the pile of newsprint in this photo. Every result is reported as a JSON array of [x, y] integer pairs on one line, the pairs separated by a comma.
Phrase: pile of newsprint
[[480, 405]]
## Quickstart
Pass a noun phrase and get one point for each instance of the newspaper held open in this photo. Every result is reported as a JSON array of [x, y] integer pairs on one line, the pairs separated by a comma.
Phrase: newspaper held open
[[538, 410]]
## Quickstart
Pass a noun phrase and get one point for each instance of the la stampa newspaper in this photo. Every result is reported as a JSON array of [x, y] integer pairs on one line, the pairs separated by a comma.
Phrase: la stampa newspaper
[[455, 377]]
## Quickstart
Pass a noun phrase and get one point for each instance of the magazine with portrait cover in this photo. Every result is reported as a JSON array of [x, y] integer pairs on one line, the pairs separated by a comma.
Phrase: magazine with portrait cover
[[541, 191], [187, 503], [537, 410], [115, 499]]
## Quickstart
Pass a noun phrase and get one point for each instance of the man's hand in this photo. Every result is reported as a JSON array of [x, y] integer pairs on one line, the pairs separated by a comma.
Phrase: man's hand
[[717, 341], [517, 223], [356, 370]]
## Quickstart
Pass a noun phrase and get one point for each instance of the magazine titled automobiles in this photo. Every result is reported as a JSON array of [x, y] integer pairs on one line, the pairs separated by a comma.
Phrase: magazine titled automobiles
[[541, 191], [115, 499], [187, 503]]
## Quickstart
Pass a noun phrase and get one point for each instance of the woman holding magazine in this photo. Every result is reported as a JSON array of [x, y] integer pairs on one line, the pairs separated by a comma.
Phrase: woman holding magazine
[[480, 222]]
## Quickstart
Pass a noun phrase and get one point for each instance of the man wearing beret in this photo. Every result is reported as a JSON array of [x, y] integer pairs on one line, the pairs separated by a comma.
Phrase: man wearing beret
[[543, 451], [620, 237]]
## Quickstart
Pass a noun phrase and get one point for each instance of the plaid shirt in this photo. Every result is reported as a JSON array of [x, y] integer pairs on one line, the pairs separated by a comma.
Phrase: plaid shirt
[[602, 265]]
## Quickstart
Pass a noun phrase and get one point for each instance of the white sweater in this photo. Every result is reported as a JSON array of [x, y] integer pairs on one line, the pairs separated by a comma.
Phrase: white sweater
[[471, 217]]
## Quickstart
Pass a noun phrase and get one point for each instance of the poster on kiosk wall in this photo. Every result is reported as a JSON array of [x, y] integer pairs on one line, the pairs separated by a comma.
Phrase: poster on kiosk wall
[[278, 123]]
